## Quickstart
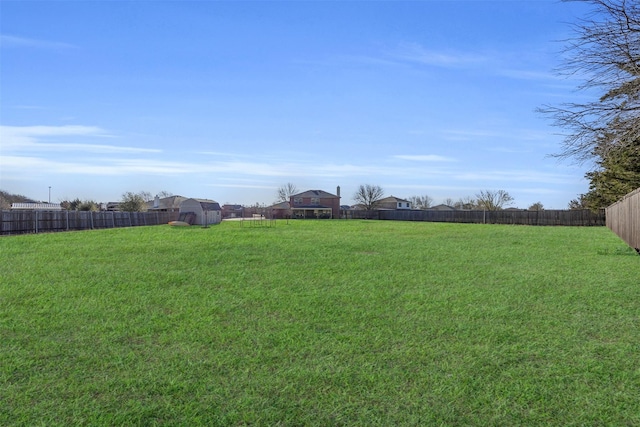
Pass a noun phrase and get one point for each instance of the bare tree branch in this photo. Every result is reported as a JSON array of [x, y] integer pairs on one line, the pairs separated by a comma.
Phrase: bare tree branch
[[605, 53], [368, 195], [286, 191]]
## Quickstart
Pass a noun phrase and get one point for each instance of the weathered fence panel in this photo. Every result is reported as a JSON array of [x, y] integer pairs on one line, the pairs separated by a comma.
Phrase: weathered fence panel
[[34, 221], [623, 218], [544, 217]]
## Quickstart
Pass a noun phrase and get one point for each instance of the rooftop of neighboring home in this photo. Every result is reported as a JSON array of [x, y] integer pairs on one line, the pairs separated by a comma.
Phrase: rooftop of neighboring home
[[281, 205], [37, 206], [392, 199], [315, 193]]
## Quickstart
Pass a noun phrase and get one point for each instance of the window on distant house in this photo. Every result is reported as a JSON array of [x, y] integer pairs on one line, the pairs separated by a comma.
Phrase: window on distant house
[[297, 201], [407, 204], [315, 200], [399, 204]]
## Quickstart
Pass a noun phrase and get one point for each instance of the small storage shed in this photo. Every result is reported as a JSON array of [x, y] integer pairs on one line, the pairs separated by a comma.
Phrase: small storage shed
[[203, 211]]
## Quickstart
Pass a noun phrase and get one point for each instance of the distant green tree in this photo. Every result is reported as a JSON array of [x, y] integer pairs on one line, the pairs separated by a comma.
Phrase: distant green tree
[[537, 206], [80, 205], [577, 204], [132, 202], [604, 51], [6, 199], [618, 173], [88, 205]]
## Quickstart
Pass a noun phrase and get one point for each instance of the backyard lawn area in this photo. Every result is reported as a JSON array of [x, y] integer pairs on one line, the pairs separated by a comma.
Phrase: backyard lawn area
[[335, 322]]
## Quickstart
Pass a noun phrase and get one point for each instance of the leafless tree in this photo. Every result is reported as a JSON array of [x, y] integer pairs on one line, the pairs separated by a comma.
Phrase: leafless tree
[[493, 200], [604, 52], [368, 195], [421, 202], [465, 203], [286, 191]]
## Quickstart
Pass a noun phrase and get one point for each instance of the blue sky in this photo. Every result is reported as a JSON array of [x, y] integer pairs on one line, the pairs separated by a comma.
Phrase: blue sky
[[230, 100]]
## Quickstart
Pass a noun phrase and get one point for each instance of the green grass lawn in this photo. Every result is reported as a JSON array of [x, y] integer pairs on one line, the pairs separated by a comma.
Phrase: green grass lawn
[[320, 323]]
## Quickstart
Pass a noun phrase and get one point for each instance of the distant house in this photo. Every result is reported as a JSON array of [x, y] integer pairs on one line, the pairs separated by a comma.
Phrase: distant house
[[113, 206], [315, 204], [166, 204], [200, 211], [232, 211], [393, 203], [279, 210], [36, 206], [442, 208]]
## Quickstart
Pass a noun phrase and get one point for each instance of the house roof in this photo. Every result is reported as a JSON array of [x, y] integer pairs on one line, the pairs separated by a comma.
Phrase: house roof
[[281, 205], [207, 205], [443, 208], [37, 206], [316, 193], [392, 199], [171, 202]]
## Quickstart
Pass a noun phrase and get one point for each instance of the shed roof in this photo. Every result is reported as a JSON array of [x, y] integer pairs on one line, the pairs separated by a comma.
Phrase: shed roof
[[171, 202], [206, 204]]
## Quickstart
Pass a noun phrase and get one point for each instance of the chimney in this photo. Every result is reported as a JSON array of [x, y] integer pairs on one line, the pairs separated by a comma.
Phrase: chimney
[[156, 202], [338, 191]]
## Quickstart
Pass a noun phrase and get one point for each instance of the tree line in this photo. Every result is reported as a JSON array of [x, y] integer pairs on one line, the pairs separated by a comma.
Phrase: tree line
[[368, 197], [604, 130]]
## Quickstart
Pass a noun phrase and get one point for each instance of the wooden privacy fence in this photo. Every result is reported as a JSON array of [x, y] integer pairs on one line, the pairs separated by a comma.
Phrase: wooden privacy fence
[[623, 218], [34, 221], [544, 217]]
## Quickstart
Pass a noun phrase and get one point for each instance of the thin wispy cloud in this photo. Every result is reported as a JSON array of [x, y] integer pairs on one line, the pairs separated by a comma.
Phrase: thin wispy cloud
[[523, 74], [517, 65], [27, 107], [254, 186], [414, 52], [10, 41], [511, 176], [424, 158], [506, 133], [38, 138]]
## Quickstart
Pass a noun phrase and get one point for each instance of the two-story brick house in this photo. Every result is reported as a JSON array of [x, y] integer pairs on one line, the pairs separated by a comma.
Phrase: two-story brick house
[[315, 204]]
